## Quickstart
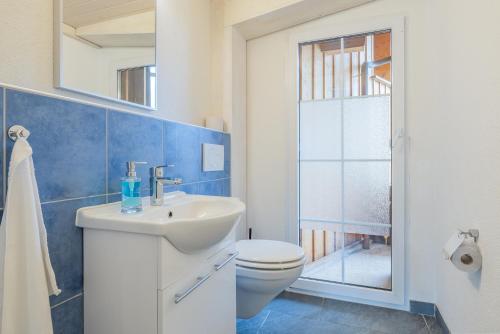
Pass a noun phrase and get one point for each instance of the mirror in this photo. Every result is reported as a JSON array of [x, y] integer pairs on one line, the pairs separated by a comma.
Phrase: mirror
[[107, 49]]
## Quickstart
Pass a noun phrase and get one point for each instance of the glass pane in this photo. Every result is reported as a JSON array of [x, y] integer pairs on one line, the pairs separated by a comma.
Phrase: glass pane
[[322, 244], [367, 256], [347, 75], [320, 130], [367, 191], [329, 78], [337, 75], [382, 54], [354, 60], [367, 128], [320, 190], [318, 72], [306, 72], [367, 64]]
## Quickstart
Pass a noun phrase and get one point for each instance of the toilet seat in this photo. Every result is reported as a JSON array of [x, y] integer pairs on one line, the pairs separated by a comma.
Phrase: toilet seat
[[264, 268], [269, 255]]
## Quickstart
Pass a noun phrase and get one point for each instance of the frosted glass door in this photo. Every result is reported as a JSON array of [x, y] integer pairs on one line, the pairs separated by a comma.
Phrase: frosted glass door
[[345, 160]]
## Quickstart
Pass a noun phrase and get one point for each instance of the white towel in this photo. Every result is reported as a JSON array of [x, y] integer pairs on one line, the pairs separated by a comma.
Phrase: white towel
[[26, 275]]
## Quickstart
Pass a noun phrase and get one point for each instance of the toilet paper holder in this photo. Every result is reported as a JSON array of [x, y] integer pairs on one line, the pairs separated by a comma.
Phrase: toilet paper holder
[[472, 233]]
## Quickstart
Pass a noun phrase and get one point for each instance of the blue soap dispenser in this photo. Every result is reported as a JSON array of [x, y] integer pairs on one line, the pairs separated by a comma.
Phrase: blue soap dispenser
[[131, 189]]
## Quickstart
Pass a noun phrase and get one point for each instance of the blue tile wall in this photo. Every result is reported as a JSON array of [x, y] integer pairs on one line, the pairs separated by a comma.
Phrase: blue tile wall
[[79, 152], [66, 244], [67, 318], [424, 308], [132, 137], [68, 141]]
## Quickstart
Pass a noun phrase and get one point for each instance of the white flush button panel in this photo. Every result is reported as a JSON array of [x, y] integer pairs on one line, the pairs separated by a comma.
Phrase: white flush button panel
[[213, 157]]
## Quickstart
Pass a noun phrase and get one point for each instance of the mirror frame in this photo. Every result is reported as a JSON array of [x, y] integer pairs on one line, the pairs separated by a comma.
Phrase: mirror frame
[[58, 60]]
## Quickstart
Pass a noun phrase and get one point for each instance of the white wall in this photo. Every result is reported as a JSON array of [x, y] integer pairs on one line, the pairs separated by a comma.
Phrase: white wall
[[184, 59], [183, 54], [452, 85], [94, 69], [466, 132], [268, 138], [234, 113]]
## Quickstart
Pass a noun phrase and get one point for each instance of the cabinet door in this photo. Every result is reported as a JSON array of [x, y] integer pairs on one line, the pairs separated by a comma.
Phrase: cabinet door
[[210, 308]]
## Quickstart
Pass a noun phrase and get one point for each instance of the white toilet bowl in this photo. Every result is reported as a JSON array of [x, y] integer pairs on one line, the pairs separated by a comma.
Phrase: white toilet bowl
[[264, 268]]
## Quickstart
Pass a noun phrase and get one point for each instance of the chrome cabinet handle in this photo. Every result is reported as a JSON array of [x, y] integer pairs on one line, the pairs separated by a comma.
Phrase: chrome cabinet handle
[[226, 261], [199, 281]]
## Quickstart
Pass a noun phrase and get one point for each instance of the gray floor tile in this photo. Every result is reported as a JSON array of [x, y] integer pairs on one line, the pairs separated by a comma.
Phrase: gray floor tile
[[278, 322], [296, 304], [248, 331], [399, 322], [433, 325], [292, 313], [371, 317], [252, 324]]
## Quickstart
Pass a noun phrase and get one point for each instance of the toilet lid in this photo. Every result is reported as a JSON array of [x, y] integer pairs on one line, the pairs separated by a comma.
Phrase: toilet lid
[[268, 254]]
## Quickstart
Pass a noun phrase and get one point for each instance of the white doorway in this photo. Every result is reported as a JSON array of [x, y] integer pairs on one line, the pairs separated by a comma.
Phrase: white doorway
[[348, 199]]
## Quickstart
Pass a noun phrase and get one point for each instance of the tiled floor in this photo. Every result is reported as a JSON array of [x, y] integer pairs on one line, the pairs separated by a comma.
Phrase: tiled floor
[[299, 314]]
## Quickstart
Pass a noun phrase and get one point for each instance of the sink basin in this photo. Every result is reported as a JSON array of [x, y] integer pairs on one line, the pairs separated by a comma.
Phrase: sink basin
[[189, 222]]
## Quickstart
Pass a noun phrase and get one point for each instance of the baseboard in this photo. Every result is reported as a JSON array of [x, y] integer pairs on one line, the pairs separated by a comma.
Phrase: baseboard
[[424, 308], [440, 321]]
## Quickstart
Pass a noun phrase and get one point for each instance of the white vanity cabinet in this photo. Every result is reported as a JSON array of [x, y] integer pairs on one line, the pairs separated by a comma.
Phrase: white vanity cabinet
[[141, 284]]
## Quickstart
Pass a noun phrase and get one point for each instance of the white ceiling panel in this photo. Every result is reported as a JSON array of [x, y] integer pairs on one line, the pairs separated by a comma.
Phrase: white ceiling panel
[[79, 13]]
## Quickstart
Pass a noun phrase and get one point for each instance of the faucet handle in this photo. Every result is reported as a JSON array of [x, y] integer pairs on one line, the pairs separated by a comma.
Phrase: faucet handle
[[158, 170]]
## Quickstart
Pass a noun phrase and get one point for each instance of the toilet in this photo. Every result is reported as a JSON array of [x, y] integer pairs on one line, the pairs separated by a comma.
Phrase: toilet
[[264, 268]]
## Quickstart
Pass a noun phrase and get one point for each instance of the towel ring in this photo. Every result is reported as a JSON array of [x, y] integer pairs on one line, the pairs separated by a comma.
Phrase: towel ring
[[18, 131]]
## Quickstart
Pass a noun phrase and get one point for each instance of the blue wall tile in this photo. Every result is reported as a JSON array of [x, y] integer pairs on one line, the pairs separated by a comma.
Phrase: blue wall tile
[[67, 318], [422, 308], [69, 151], [182, 149], [214, 188], [68, 141], [191, 188], [132, 137], [66, 244], [114, 198], [226, 187], [227, 154]]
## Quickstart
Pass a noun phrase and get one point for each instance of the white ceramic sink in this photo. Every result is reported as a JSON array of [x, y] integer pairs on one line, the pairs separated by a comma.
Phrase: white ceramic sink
[[190, 222]]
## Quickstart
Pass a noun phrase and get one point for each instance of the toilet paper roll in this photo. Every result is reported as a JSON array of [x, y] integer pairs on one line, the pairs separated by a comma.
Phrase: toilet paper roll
[[452, 245], [467, 257]]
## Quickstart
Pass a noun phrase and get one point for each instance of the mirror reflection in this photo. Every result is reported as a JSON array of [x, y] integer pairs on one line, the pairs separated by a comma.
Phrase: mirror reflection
[[108, 49]]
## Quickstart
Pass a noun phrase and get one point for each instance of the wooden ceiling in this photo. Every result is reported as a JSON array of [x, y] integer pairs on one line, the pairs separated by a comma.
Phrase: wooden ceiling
[[78, 13]]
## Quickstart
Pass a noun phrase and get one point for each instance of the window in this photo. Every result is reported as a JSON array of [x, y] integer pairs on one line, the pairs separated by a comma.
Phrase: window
[[345, 159], [138, 85]]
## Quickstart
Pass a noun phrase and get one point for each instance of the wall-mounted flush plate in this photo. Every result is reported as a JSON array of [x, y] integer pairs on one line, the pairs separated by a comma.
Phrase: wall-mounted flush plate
[[213, 157]]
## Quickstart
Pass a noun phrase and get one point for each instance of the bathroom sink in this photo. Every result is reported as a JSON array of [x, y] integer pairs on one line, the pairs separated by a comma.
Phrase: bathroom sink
[[189, 222]]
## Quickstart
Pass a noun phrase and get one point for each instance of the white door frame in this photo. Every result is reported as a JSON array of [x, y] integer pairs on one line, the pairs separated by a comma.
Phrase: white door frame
[[395, 298]]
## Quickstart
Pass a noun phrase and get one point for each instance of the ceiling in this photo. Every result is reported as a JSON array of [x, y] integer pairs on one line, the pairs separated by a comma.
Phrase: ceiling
[[300, 11], [78, 13]]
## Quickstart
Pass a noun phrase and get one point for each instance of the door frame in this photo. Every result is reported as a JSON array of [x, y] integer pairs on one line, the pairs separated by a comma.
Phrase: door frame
[[396, 298]]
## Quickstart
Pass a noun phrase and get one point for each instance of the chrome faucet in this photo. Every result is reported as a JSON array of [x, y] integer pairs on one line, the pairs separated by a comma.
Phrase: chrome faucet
[[157, 183]]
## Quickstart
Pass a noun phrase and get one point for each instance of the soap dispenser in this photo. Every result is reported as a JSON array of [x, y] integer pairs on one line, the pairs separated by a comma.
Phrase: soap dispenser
[[131, 189]]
